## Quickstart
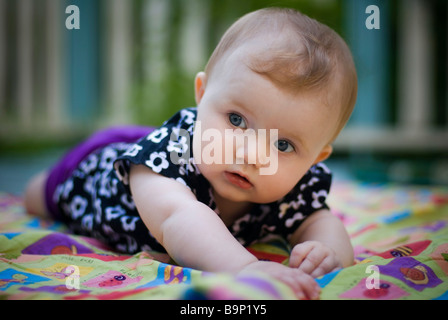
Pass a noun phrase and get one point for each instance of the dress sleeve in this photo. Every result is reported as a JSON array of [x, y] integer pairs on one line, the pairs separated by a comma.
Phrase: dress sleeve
[[165, 151], [307, 197]]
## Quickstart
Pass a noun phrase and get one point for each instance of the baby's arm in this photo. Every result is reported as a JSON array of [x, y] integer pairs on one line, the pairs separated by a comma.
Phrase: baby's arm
[[194, 235], [191, 232], [321, 245]]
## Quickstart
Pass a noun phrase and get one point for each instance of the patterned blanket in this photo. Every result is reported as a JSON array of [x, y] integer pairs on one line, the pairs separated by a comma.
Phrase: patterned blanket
[[400, 236]]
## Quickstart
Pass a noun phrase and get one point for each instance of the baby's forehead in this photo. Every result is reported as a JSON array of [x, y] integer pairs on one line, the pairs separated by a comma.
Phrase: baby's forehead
[[270, 45], [261, 59], [260, 53]]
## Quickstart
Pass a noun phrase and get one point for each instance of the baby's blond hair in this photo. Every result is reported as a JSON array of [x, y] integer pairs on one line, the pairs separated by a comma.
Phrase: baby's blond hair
[[304, 54]]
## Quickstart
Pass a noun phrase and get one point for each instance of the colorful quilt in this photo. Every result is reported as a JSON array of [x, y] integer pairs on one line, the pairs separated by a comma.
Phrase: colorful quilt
[[400, 236]]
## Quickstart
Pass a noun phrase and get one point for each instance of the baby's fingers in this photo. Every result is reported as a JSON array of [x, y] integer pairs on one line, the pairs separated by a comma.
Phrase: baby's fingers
[[303, 288], [327, 265], [311, 289], [310, 257], [306, 287], [299, 254]]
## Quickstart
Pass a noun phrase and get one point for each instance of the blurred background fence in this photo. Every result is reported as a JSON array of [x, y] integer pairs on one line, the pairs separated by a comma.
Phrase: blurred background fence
[[134, 61]]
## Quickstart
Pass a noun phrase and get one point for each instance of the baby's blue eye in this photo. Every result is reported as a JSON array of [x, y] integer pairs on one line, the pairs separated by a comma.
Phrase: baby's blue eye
[[284, 146], [237, 120]]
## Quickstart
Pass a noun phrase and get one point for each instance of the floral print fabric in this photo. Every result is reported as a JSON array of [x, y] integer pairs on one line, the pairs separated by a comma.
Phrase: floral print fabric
[[96, 199]]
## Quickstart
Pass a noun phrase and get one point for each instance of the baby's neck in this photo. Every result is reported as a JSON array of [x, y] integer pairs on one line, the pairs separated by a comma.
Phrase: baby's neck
[[230, 211]]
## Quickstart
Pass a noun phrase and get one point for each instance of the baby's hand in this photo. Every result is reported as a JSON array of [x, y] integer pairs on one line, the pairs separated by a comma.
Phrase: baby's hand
[[314, 258], [303, 285]]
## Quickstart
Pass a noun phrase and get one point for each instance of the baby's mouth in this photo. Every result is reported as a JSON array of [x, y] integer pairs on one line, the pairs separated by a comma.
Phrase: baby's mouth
[[238, 180]]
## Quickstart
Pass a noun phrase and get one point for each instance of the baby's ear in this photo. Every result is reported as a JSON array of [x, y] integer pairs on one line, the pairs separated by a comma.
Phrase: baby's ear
[[199, 86], [324, 154]]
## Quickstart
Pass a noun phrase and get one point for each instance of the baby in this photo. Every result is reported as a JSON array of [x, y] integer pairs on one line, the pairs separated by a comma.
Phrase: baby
[[284, 78]]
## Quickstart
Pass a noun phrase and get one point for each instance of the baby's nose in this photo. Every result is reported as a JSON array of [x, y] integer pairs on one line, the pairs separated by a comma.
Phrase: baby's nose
[[252, 151]]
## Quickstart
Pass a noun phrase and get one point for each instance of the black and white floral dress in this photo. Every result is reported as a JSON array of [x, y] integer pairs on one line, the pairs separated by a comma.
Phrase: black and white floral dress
[[96, 199]]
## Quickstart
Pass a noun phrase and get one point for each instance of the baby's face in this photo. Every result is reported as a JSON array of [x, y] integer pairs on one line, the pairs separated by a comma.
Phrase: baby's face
[[238, 98]]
